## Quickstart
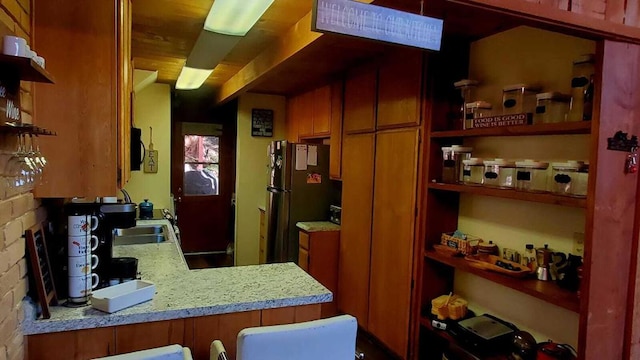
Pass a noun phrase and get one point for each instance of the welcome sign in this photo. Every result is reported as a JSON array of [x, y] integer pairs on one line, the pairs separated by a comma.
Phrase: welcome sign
[[376, 23]]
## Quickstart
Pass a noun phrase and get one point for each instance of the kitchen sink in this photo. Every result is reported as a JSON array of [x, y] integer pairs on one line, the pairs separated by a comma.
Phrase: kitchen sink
[[139, 235]]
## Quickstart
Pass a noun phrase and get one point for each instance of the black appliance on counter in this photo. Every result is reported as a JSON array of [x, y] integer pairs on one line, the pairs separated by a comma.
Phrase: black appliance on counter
[[483, 334]]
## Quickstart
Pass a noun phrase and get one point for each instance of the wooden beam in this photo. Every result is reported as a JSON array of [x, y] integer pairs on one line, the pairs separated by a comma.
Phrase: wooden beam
[[295, 39]]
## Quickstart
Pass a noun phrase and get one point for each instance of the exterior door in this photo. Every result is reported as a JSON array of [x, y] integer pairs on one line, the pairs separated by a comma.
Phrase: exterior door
[[203, 182]]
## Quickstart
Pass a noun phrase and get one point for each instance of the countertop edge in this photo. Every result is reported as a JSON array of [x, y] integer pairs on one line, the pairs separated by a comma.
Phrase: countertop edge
[[317, 226], [46, 326]]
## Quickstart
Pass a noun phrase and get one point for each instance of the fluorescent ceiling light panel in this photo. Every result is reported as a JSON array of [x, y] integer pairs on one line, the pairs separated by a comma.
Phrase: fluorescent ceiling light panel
[[191, 78], [235, 17]]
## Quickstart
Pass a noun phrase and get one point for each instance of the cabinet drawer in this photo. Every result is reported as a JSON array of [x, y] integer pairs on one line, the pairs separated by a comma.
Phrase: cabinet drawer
[[303, 259], [304, 240]]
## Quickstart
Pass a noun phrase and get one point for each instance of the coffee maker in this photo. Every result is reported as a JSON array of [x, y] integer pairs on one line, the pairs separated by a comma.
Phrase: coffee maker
[[115, 216]]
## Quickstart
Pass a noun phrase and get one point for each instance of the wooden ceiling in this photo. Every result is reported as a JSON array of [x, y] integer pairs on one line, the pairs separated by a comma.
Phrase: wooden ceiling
[[164, 32]]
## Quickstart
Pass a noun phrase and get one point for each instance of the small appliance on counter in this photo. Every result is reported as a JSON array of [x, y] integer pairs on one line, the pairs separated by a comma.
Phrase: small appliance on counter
[[484, 334], [335, 214], [146, 209]]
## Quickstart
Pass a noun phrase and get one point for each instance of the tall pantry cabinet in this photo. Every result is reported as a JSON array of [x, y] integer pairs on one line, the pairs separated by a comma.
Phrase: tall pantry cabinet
[[379, 197]]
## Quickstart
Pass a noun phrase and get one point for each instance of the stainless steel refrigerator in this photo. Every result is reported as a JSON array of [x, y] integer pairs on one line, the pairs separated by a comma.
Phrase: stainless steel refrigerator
[[298, 190]]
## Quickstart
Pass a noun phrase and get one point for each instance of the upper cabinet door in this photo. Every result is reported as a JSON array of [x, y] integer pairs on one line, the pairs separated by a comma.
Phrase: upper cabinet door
[[322, 111], [399, 89], [304, 114], [360, 101], [335, 141], [293, 116]]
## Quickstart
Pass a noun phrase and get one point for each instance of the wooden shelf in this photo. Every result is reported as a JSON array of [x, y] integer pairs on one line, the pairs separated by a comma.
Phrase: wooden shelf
[[564, 128], [26, 68], [26, 129], [546, 198], [544, 290]]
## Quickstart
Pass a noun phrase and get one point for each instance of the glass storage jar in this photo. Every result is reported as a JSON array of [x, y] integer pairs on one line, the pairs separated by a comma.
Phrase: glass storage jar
[[472, 171], [582, 181], [582, 88], [452, 157], [499, 173], [564, 177], [531, 175], [466, 87], [475, 110], [519, 98], [551, 107]]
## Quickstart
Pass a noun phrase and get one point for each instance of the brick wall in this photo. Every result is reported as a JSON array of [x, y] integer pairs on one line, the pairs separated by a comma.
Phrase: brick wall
[[18, 209]]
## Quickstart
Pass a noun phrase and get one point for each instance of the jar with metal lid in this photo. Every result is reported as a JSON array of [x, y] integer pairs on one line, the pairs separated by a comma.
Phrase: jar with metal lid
[[582, 181], [531, 175], [582, 88], [472, 171], [452, 157], [499, 173], [519, 98], [551, 107], [475, 110], [564, 176]]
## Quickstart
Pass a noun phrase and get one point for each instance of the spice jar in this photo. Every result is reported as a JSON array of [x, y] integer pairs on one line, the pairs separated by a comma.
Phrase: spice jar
[[582, 88], [519, 98], [452, 158], [564, 177], [475, 110], [582, 181], [551, 107], [472, 171], [531, 175], [528, 259], [499, 173]]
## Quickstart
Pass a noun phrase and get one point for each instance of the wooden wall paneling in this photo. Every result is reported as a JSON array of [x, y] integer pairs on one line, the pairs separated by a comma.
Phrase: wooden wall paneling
[[144, 336], [399, 89], [394, 215], [221, 327], [72, 345], [358, 159], [78, 39], [335, 141], [611, 203], [360, 100], [321, 111]]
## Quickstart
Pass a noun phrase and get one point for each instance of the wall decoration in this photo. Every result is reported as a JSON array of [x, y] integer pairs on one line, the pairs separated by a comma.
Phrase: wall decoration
[[262, 122]]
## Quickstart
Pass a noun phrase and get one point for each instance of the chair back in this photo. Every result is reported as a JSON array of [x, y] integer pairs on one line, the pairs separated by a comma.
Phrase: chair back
[[326, 339]]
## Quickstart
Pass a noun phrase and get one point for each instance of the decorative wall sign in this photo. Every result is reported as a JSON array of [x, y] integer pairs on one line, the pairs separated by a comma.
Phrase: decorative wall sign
[[503, 120], [10, 102], [376, 23], [262, 122]]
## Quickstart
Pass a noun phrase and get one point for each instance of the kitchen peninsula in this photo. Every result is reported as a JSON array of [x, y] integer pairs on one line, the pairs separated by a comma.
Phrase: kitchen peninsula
[[190, 307]]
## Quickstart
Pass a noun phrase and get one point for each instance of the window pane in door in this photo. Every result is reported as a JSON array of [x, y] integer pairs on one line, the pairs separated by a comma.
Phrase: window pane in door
[[200, 179], [200, 148]]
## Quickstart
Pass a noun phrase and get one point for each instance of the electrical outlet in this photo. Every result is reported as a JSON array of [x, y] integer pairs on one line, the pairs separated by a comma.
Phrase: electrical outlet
[[578, 243]]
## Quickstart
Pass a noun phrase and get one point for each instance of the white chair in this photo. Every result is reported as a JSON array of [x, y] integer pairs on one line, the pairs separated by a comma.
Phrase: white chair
[[326, 339], [171, 352]]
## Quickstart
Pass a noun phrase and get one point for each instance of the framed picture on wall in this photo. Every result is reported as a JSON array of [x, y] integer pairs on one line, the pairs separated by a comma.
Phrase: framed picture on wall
[[262, 122]]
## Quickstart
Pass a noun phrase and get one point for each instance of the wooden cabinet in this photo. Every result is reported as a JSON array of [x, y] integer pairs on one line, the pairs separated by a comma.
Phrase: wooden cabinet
[[293, 106], [355, 228], [125, 91], [82, 44], [394, 199], [225, 328], [335, 141], [399, 89], [72, 345], [318, 255], [262, 257], [304, 114], [360, 100], [311, 113], [321, 111], [144, 336]]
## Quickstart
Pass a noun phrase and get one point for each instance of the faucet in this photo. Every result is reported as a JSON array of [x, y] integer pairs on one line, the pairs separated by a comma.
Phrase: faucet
[[127, 198]]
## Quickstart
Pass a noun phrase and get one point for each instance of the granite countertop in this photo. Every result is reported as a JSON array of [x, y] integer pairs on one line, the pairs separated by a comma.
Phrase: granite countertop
[[314, 226], [182, 293]]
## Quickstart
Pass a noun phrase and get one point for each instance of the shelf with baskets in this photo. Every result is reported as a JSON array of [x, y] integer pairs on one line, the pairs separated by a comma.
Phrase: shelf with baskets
[[546, 291], [546, 198]]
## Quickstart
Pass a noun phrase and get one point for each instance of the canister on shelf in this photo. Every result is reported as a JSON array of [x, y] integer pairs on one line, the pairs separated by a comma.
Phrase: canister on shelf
[[564, 176], [475, 110], [582, 181], [519, 98], [582, 88], [472, 171], [499, 173], [452, 157], [466, 87], [551, 107], [531, 175]]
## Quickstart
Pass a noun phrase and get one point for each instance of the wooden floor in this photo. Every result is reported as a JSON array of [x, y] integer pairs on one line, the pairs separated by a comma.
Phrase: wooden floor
[[365, 343]]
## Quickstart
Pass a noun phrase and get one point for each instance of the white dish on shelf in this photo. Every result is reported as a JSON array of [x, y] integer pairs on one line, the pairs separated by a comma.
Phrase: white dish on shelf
[[117, 297]]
